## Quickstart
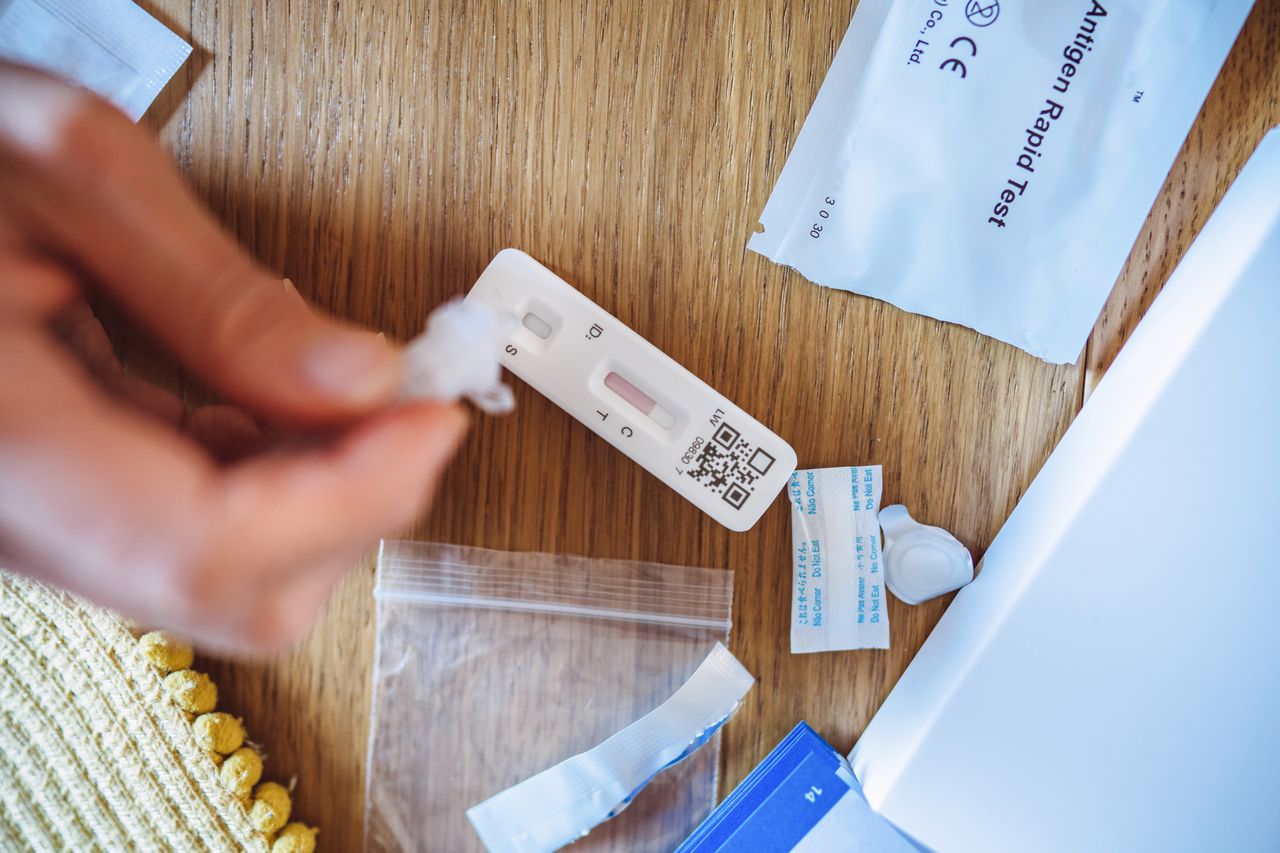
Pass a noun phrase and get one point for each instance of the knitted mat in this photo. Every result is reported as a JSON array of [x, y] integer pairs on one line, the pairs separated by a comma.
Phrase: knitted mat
[[93, 756]]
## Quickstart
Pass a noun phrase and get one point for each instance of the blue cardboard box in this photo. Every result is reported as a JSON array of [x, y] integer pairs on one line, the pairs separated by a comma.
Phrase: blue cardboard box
[[803, 797]]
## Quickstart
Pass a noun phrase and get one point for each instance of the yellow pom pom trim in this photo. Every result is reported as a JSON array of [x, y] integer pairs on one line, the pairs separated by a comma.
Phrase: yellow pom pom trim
[[191, 691], [271, 807], [241, 771], [222, 736], [295, 838], [218, 732], [165, 652]]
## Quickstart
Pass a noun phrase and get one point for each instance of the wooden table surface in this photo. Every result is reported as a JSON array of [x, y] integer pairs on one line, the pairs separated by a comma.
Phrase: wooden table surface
[[380, 153]]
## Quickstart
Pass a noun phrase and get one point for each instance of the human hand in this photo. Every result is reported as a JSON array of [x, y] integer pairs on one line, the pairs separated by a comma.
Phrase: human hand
[[109, 486]]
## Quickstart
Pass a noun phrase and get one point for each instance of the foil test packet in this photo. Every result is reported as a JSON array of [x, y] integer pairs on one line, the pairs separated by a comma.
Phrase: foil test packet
[[991, 164]]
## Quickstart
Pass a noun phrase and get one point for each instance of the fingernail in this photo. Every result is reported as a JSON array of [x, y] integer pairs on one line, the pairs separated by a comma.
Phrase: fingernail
[[292, 290], [355, 367]]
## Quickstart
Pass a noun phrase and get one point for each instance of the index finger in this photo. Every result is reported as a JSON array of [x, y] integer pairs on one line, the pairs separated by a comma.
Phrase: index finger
[[106, 502], [86, 184]]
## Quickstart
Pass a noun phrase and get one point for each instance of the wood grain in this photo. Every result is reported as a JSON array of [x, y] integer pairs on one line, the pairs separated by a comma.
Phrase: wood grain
[[379, 153]]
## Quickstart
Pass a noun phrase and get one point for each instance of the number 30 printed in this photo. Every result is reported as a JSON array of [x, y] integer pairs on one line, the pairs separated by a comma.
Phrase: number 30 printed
[[816, 231]]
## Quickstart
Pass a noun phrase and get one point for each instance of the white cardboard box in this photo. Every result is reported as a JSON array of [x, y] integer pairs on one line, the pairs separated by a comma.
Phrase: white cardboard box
[[1111, 681]]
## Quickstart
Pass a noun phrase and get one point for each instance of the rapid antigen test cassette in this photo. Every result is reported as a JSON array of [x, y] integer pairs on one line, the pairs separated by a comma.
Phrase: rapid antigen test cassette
[[633, 395]]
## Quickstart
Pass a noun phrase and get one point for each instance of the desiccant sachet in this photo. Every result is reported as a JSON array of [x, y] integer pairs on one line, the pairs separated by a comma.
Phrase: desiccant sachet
[[112, 47], [838, 597]]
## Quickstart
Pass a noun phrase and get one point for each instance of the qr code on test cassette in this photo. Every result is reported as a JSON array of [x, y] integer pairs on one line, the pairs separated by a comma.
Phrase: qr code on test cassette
[[730, 465]]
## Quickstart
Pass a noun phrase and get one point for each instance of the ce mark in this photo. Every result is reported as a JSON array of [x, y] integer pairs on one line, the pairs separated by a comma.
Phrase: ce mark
[[957, 66]]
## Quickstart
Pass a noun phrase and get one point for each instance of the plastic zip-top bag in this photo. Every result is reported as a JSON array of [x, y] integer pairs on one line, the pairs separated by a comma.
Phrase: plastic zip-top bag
[[991, 164], [496, 672]]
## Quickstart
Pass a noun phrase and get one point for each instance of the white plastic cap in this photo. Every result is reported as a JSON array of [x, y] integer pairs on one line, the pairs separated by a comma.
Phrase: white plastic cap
[[921, 562]]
